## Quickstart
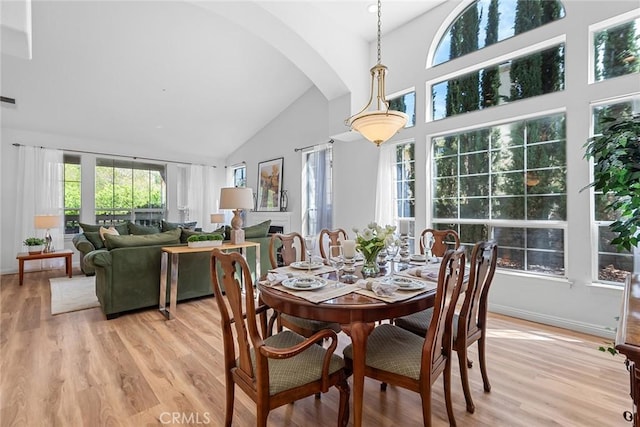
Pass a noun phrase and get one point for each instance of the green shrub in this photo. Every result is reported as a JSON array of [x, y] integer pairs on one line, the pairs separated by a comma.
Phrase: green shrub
[[204, 237], [33, 241]]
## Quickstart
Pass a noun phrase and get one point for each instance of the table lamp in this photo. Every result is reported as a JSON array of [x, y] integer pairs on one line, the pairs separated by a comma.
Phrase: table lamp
[[236, 198], [47, 222], [217, 218]]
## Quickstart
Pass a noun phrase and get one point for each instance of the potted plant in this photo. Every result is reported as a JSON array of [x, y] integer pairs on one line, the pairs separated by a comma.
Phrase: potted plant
[[616, 171], [205, 240], [34, 245]]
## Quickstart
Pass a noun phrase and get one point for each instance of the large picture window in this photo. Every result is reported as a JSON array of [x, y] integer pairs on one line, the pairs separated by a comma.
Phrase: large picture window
[[506, 182], [129, 191], [612, 264], [72, 194], [616, 50]]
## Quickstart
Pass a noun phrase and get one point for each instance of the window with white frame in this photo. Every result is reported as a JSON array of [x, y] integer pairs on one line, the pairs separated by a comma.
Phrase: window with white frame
[[616, 48], [407, 104], [613, 265], [72, 194], [506, 182], [239, 175], [317, 189]]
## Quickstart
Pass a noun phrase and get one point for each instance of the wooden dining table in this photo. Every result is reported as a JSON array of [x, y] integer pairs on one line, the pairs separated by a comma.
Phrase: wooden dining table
[[356, 314]]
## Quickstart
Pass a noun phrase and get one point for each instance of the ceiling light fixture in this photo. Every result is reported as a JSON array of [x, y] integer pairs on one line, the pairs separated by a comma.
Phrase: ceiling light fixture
[[381, 124]]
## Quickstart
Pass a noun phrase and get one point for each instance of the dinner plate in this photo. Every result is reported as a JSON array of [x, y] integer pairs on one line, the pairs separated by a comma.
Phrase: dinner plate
[[418, 258], [407, 284], [305, 283], [304, 265]]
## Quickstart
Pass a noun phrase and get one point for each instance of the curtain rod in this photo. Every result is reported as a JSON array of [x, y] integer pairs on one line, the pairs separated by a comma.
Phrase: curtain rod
[[15, 144], [331, 141]]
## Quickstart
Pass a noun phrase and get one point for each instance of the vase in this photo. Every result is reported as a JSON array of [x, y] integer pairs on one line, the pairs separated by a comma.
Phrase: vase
[[370, 267], [36, 249]]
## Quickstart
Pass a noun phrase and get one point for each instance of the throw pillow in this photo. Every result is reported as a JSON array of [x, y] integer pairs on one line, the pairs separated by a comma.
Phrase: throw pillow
[[122, 227], [167, 226], [139, 229], [111, 230], [166, 238], [258, 230], [94, 238], [188, 233]]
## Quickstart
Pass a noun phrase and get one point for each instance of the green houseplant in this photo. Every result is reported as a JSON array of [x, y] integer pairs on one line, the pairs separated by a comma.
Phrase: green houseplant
[[34, 245], [205, 240], [616, 171]]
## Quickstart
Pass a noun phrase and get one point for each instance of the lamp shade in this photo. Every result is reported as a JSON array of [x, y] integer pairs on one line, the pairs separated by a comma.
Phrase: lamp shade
[[379, 126], [236, 198], [46, 221], [217, 218]]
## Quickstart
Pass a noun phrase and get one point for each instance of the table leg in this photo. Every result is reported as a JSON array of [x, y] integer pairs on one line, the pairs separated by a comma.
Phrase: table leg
[[173, 291], [21, 270], [67, 261], [163, 284], [359, 332]]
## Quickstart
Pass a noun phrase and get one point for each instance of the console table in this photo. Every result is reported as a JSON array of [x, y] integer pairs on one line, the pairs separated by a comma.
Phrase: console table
[[175, 252], [628, 340], [25, 256]]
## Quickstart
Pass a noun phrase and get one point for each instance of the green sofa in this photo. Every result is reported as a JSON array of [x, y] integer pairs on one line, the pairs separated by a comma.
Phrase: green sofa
[[128, 270]]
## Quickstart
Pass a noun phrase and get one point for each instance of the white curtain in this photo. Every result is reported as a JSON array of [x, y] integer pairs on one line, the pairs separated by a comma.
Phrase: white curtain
[[40, 180], [201, 200], [317, 194], [386, 188]]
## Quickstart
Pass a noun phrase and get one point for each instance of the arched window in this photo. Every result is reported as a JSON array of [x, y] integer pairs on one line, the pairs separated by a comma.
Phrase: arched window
[[486, 22]]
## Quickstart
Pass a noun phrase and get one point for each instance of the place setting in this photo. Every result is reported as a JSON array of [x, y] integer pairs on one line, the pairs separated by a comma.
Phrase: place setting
[[311, 288], [392, 288]]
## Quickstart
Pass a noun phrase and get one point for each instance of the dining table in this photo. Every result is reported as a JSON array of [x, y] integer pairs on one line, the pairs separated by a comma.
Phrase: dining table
[[356, 310]]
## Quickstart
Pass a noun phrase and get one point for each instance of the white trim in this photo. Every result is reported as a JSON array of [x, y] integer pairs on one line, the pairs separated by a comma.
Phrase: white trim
[[587, 328]]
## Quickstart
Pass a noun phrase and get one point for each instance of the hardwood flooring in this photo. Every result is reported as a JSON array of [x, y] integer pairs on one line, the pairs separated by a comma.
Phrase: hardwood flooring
[[78, 369]]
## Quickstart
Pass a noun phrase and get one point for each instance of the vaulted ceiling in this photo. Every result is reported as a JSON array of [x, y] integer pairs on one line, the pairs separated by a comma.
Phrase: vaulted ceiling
[[176, 75]]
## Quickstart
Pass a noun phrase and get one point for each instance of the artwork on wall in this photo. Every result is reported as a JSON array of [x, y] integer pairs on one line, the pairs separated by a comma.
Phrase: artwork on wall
[[269, 185]]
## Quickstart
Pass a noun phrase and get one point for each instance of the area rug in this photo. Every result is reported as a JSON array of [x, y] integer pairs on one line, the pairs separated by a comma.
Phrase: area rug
[[78, 293]]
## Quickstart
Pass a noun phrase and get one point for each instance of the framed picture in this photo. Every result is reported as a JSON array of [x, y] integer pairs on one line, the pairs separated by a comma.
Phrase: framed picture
[[269, 185]]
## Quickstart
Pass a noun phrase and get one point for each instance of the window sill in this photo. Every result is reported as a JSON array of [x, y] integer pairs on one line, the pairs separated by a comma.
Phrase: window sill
[[602, 285], [533, 276]]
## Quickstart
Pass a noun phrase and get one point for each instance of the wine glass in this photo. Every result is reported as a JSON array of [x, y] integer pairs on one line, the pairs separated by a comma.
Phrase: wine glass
[[336, 259], [393, 247], [309, 246], [427, 242]]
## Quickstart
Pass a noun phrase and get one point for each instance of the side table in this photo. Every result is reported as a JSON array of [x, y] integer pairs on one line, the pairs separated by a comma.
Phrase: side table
[[175, 252], [26, 256]]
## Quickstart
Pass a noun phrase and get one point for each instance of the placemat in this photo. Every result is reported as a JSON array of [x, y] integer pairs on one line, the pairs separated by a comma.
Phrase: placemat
[[319, 295], [297, 271], [397, 295], [431, 269]]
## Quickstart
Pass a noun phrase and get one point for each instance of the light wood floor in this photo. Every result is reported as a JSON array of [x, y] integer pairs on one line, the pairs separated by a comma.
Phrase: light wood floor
[[78, 369]]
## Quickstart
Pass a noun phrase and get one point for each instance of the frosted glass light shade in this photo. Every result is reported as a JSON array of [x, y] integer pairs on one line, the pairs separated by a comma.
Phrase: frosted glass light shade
[[378, 126]]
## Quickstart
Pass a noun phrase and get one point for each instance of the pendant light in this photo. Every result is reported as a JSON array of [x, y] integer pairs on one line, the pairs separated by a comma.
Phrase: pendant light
[[381, 124]]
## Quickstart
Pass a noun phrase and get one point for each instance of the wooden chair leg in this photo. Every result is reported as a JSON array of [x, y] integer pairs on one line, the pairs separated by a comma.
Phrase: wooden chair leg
[[383, 386], [426, 406], [318, 395], [464, 377], [230, 396], [483, 363], [447, 392], [343, 410]]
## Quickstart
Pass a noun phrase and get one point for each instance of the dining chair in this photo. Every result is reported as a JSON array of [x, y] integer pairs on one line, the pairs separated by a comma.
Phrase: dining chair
[[470, 324], [443, 240], [328, 238], [272, 370], [402, 358], [293, 249]]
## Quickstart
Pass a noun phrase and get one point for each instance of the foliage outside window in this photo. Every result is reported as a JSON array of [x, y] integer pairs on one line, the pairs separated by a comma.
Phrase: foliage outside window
[[531, 75], [616, 50], [507, 182], [486, 22], [407, 104], [317, 189], [129, 191], [72, 194], [613, 263], [404, 180]]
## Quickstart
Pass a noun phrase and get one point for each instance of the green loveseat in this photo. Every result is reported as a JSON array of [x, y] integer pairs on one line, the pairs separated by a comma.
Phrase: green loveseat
[[128, 270]]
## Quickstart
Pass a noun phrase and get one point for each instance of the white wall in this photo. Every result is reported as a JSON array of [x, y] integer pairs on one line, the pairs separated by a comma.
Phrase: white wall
[[9, 153], [574, 303]]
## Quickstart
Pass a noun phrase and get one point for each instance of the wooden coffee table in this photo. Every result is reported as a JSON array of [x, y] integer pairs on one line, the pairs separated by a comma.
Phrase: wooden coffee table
[[26, 256]]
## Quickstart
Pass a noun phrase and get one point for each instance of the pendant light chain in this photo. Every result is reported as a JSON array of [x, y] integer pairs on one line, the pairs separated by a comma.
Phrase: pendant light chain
[[379, 30]]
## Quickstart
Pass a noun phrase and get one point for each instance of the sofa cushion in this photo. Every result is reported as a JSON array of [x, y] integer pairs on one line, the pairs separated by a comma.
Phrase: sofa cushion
[[139, 229], [94, 238], [166, 238], [167, 226], [111, 230], [122, 228], [258, 230]]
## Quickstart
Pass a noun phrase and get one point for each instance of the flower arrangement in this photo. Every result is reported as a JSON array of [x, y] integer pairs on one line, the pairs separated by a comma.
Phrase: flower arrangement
[[370, 241]]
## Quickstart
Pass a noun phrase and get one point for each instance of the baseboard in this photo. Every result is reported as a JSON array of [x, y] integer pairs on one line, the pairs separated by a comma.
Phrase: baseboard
[[560, 322]]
